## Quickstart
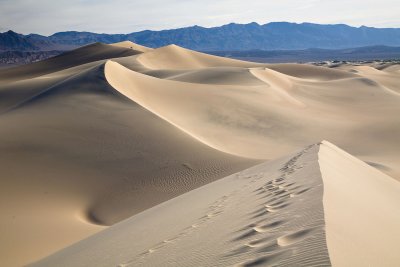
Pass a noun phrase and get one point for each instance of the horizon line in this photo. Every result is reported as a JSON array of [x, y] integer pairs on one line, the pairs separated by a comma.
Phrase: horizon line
[[204, 27]]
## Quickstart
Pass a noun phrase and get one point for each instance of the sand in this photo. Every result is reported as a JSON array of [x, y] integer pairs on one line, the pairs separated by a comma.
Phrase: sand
[[269, 119], [299, 210], [361, 211], [78, 151], [131, 45], [97, 135]]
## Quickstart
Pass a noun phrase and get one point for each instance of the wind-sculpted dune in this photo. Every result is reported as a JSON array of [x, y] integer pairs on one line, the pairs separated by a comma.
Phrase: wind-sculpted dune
[[185, 156]]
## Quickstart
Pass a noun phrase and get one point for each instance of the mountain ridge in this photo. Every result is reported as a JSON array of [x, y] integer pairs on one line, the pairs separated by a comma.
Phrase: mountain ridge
[[233, 36]]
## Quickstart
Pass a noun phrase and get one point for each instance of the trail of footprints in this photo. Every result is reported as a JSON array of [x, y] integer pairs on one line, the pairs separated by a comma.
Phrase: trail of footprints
[[213, 211], [262, 236]]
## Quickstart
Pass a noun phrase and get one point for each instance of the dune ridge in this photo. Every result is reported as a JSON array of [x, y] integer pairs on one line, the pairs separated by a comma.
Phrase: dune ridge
[[254, 217], [80, 138], [86, 54], [134, 46], [292, 210], [276, 115]]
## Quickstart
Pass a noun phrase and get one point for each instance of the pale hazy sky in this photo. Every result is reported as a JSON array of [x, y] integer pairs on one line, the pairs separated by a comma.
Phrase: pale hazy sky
[[125, 16]]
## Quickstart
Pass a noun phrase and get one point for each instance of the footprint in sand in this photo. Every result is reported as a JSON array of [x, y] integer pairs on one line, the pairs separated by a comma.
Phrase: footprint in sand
[[294, 237], [299, 192], [269, 226], [215, 209]]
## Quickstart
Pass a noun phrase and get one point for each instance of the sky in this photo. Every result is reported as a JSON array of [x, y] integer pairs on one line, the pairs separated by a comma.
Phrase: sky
[[125, 16]]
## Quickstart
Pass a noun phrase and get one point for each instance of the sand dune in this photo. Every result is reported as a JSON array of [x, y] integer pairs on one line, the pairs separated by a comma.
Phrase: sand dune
[[299, 210], [66, 60], [311, 72], [96, 156], [175, 57], [131, 45], [104, 132], [267, 120], [216, 75], [384, 77]]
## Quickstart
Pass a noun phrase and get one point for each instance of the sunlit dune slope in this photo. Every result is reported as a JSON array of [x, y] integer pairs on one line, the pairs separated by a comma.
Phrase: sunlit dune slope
[[279, 112], [175, 57], [299, 210]]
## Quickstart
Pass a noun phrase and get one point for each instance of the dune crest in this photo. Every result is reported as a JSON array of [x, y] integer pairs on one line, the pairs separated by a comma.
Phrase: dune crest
[[134, 46], [296, 210], [86, 54], [280, 82], [90, 157], [275, 115], [201, 109]]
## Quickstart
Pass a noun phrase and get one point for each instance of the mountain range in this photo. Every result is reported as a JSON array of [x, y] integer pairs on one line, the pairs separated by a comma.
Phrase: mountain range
[[230, 37]]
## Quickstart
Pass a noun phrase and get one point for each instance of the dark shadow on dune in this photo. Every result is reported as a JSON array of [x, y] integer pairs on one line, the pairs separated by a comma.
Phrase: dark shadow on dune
[[378, 166]]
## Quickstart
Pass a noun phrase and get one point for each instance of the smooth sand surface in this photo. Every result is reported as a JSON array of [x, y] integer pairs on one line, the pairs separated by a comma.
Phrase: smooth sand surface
[[104, 132], [317, 207], [175, 57], [362, 211]]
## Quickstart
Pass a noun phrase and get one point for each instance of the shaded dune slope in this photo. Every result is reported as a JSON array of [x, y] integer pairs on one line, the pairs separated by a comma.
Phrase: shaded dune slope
[[86, 54], [97, 157], [94, 99]]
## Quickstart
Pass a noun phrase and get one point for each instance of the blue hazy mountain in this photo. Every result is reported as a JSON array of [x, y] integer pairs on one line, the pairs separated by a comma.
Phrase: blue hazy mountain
[[230, 37]]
